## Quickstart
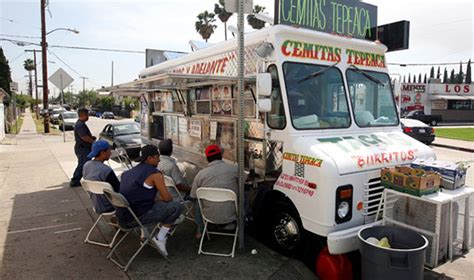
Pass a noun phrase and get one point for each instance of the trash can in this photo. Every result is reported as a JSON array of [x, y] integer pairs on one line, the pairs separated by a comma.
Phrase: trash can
[[404, 260]]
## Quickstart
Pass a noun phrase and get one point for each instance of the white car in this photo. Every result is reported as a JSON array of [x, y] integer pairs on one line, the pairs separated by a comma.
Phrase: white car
[[69, 119]]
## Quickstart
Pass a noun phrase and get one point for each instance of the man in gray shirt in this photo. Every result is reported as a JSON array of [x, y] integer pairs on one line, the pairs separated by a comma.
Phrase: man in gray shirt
[[96, 170], [217, 174], [168, 167]]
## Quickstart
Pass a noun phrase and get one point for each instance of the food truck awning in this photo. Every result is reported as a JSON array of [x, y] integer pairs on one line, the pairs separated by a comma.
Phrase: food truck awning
[[164, 82], [448, 97]]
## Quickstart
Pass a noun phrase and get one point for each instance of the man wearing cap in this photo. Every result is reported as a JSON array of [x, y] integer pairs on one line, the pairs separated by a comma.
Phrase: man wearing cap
[[82, 148], [168, 167], [217, 174], [96, 170], [140, 186]]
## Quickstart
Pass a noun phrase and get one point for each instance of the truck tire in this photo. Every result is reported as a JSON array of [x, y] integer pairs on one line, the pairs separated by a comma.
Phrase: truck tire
[[434, 123], [285, 230]]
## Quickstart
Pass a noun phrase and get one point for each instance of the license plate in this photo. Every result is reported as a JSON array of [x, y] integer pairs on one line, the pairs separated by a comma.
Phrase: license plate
[[422, 130]]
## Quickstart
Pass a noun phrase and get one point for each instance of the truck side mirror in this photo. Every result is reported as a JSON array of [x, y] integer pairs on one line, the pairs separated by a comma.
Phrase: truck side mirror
[[264, 105], [264, 84]]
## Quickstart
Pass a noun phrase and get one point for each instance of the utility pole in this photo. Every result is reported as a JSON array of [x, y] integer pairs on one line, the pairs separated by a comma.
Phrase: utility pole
[[44, 46], [36, 80], [83, 83]]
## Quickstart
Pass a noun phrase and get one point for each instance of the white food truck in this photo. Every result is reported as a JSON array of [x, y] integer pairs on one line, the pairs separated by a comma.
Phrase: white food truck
[[317, 134]]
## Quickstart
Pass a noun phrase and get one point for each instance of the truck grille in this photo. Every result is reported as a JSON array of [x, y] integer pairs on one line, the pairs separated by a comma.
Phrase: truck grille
[[372, 196]]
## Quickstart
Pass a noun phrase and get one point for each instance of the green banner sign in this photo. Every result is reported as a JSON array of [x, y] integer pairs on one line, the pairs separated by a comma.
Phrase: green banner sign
[[343, 17]]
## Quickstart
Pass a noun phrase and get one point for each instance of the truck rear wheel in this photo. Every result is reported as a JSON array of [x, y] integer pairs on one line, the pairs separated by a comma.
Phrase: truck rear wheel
[[433, 123]]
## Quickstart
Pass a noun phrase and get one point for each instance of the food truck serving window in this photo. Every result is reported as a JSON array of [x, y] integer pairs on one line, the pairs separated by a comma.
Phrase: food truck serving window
[[371, 98], [316, 96]]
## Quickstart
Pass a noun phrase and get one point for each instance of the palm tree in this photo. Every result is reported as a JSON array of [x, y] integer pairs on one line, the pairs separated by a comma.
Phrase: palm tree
[[222, 14], [29, 66], [204, 25], [253, 21]]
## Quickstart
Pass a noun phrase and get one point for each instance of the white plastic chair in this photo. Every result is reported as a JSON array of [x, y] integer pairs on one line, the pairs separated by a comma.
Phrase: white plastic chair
[[177, 196], [97, 187], [119, 201], [216, 195]]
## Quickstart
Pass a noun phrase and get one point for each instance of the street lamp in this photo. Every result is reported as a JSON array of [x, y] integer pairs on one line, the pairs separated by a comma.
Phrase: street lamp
[[44, 46]]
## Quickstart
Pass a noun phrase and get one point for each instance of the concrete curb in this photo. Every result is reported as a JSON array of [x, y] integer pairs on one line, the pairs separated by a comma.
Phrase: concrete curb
[[453, 147]]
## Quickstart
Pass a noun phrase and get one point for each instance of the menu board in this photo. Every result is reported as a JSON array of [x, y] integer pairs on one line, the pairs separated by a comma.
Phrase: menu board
[[171, 128], [167, 101]]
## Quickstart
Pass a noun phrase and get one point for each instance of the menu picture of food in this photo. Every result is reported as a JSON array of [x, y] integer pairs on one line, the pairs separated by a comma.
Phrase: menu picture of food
[[216, 93], [226, 139], [226, 92], [216, 107]]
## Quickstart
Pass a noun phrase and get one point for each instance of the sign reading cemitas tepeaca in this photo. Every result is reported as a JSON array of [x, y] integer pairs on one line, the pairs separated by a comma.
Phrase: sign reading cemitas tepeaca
[[343, 17]]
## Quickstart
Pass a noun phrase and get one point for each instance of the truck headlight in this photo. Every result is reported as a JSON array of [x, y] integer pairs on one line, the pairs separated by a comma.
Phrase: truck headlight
[[343, 204], [343, 209]]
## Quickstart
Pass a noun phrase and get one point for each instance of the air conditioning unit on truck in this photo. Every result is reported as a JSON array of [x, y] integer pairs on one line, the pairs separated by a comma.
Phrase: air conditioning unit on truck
[[320, 123]]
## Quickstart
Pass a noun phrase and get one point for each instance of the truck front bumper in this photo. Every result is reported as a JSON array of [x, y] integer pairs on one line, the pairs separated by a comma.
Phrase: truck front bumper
[[345, 241]]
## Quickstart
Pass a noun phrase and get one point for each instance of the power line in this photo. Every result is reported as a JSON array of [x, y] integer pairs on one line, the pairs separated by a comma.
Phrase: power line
[[95, 49], [21, 36]]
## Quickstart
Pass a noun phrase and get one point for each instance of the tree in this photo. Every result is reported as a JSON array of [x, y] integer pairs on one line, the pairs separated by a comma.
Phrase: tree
[[87, 98], [445, 76], [432, 72], [452, 79], [106, 103], [468, 73], [419, 78], [204, 25], [425, 80], [131, 103], [222, 14], [409, 78], [404, 79], [438, 75], [459, 78], [5, 74], [29, 66], [253, 21]]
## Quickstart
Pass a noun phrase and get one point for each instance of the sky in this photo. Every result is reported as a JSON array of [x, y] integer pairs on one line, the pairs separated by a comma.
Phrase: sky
[[441, 31]]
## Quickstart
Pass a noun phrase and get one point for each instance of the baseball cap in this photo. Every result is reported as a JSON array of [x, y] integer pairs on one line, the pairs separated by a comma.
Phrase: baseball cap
[[97, 147], [212, 150], [147, 151]]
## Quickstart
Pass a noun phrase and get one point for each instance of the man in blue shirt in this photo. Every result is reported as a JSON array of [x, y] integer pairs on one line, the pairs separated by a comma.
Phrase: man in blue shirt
[[140, 186], [96, 170], [83, 146]]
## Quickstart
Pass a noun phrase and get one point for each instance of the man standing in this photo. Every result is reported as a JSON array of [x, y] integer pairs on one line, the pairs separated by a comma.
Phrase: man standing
[[217, 174], [96, 170], [140, 186], [82, 148], [168, 166]]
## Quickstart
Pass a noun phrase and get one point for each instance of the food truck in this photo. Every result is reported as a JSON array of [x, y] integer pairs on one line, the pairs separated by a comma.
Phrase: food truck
[[320, 123]]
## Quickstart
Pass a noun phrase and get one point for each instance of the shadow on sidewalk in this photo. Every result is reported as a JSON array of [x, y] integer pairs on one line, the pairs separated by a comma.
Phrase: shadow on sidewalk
[[45, 239]]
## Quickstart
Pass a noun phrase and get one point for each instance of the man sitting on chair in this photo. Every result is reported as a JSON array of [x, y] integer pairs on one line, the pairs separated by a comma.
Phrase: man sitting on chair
[[96, 170], [217, 174], [140, 186], [168, 167]]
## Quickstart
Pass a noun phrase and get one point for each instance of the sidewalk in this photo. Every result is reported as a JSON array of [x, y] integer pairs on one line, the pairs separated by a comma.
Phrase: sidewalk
[[43, 223], [466, 146]]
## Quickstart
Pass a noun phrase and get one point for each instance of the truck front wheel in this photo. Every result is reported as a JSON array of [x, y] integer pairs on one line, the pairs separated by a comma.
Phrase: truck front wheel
[[285, 232]]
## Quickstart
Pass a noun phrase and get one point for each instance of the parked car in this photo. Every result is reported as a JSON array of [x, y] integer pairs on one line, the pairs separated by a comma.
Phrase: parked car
[[432, 120], [418, 130], [125, 135], [54, 115], [69, 119], [92, 113], [108, 115]]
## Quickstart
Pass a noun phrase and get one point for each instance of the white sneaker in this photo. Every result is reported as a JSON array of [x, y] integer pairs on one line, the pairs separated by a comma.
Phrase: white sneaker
[[180, 219], [161, 246]]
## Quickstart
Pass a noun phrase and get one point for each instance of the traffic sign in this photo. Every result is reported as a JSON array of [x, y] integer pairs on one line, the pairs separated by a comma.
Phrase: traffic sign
[[61, 79]]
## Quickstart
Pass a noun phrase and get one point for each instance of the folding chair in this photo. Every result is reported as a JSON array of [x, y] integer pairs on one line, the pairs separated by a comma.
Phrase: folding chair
[[119, 201], [169, 183], [216, 195], [97, 187]]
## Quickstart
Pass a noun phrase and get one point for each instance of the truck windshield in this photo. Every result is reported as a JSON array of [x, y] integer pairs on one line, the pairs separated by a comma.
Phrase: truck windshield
[[316, 96], [372, 98]]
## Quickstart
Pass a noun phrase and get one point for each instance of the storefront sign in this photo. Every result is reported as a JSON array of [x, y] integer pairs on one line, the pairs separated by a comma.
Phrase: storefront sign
[[342, 17], [412, 88], [451, 88], [195, 129], [365, 58]]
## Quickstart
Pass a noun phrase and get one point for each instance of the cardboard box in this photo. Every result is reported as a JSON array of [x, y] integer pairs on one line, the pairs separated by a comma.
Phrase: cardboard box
[[413, 181], [453, 175]]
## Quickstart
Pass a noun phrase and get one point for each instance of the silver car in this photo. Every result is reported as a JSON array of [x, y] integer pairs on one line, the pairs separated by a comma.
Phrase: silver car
[[69, 119]]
